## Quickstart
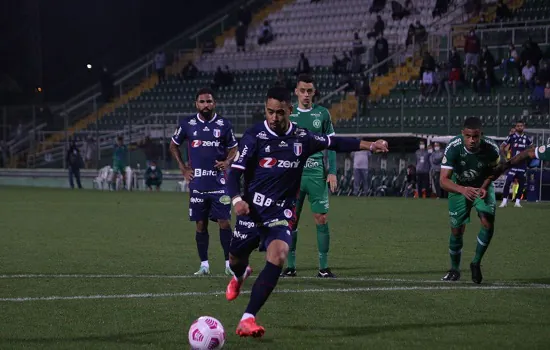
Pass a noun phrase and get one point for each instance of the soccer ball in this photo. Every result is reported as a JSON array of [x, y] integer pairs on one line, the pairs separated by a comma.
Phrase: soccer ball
[[206, 333]]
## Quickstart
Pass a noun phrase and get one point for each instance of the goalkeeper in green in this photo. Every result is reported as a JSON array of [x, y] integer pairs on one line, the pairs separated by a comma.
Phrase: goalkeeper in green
[[314, 178]]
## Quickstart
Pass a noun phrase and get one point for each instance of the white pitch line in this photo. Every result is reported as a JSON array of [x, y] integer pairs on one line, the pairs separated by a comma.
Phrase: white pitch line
[[281, 291], [156, 276]]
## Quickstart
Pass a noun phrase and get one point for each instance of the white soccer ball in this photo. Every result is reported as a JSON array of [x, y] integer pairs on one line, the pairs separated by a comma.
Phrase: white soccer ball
[[206, 333]]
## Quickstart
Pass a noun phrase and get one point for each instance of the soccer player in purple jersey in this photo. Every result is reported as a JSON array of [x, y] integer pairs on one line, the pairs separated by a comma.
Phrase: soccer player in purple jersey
[[212, 147], [272, 156], [517, 142]]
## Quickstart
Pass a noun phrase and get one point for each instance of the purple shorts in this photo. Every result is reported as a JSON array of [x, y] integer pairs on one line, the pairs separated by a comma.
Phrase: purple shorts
[[248, 234], [213, 206]]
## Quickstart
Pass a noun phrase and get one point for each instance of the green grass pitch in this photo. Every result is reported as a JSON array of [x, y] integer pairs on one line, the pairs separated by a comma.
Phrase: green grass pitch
[[118, 266]]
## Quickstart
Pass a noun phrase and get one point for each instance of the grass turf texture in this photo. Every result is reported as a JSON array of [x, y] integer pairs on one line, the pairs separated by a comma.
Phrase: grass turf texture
[[389, 255]]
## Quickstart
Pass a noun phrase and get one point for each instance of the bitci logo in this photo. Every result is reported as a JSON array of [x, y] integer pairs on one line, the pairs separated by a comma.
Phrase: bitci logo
[[196, 143], [268, 162]]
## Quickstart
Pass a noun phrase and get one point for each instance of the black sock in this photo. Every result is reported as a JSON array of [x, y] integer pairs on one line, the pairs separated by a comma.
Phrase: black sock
[[262, 288], [239, 268], [202, 239], [225, 239]]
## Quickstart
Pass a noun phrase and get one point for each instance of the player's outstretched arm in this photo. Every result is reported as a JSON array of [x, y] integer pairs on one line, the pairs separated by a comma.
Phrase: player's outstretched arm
[[349, 144], [448, 185], [503, 167]]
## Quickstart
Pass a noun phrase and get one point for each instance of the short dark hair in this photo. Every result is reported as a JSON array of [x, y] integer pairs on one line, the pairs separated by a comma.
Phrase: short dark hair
[[305, 78], [521, 121], [205, 91], [473, 123], [279, 93]]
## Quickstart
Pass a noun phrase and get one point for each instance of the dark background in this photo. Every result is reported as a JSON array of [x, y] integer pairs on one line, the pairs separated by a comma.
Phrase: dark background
[[48, 43]]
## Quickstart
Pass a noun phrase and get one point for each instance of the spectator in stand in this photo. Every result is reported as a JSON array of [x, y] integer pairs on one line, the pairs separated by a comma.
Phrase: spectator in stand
[[245, 17], [441, 76], [377, 6], [531, 52], [160, 66], [363, 92], [74, 163], [502, 12], [381, 52], [488, 64], [266, 34], [420, 33], [240, 37], [455, 66], [472, 46], [427, 84], [539, 104], [303, 65], [190, 71], [358, 51], [527, 77], [378, 28], [428, 63], [441, 7], [153, 176], [511, 61]]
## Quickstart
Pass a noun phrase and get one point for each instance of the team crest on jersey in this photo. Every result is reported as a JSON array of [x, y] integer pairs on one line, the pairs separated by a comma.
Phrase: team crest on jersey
[[298, 149], [219, 122], [288, 213], [542, 149], [193, 122], [217, 132], [317, 123]]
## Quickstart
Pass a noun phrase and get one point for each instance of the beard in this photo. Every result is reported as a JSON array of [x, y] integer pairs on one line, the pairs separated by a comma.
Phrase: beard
[[206, 113]]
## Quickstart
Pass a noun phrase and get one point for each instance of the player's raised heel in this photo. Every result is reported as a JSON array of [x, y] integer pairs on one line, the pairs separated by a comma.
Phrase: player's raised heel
[[234, 287], [249, 328], [451, 276], [477, 277], [289, 272], [203, 271]]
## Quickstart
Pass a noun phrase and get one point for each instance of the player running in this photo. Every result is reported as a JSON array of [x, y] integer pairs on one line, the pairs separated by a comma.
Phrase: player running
[[212, 147], [517, 142], [272, 156], [469, 160], [314, 180]]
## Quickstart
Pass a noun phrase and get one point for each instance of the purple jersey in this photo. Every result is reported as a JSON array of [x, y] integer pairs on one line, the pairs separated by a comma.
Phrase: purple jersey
[[272, 166], [518, 143], [208, 143]]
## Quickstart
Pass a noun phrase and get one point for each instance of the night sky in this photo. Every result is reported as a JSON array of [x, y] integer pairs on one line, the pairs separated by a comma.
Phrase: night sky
[[49, 43]]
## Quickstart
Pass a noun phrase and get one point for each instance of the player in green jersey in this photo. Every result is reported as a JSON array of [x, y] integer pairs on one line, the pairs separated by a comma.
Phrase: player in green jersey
[[468, 163], [314, 178], [120, 153]]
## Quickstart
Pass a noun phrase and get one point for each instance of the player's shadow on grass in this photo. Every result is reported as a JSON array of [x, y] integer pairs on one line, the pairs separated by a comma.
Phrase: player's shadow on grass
[[356, 331], [125, 338]]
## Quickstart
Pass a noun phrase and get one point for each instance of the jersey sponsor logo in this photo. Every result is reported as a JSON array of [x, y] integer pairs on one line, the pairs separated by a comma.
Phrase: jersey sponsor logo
[[288, 213], [262, 135], [198, 143], [225, 199], [283, 144], [298, 149], [219, 122], [217, 133], [542, 149], [268, 162], [243, 154], [204, 172], [247, 224], [239, 235], [468, 175], [276, 222], [310, 163], [193, 122], [177, 132], [196, 200], [301, 132], [316, 123]]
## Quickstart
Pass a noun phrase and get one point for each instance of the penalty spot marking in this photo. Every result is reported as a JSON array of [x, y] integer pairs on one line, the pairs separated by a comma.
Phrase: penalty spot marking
[[281, 291]]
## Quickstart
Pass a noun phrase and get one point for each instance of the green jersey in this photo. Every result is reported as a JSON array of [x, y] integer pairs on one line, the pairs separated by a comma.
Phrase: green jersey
[[543, 152], [316, 119], [119, 154], [470, 169]]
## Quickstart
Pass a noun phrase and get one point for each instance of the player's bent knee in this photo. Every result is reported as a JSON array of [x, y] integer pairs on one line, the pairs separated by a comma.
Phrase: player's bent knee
[[320, 219], [224, 224]]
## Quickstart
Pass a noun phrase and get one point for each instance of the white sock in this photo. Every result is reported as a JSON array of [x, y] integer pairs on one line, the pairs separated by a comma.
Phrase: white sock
[[518, 200], [205, 264], [246, 315], [505, 200], [226, 263]]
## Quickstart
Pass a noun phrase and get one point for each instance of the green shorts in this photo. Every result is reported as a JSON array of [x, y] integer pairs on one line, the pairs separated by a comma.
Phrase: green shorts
[[460, 207], [316, 189], [119, 168]]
